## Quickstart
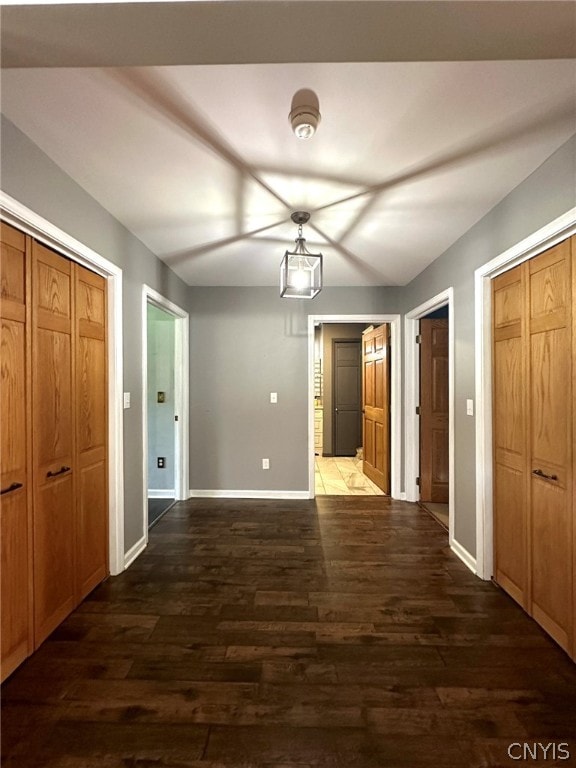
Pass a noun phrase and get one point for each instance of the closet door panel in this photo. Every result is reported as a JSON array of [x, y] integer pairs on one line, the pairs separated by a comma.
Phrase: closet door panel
[[54, 557], [551, 441], [53, 415], [511, 555], [92, 430], [15, 524]]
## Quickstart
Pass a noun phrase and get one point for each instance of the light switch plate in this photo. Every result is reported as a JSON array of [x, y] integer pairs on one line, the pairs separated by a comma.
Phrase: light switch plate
[[126, 399], [273, 397], [469, 407]]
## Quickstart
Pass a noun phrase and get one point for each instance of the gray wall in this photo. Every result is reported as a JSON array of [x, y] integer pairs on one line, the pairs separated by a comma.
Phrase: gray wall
[[546, 194], [30, 177], [244, 344]]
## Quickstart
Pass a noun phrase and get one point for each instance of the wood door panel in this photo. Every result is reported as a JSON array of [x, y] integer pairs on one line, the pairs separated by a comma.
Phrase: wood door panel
[[510, 531], [380, 384], [508, 299], [551, 369], [439, 450], [376, 406], [509, 411], [92, 547], [13, 272], [54, 558], [53, 404], [91, 393], [434, 463], [13, 399], [53, 289], [551, 560], [14, 583]]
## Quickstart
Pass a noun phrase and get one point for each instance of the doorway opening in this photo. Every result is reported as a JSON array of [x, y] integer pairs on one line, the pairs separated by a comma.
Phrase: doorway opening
[[164, 405], [161, 406], [339, 463], [429, 408], [433, 478]]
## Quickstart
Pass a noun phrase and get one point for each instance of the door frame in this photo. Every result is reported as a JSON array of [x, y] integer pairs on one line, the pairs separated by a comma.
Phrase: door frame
[[22, 217], [546, 237], [395, 389], [181, 397], [411, 398]]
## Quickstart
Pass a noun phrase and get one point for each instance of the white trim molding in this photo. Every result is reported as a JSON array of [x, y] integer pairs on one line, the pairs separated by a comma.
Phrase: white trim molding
[[546, 237], [134, 551], [395, 390], [181, 399], [218, 494], [13, 212], [160, 493], [411, 390]]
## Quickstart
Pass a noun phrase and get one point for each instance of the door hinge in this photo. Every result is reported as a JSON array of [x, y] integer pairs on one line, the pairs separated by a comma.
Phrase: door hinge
[[419, 339], [417, 410], [418, 482]]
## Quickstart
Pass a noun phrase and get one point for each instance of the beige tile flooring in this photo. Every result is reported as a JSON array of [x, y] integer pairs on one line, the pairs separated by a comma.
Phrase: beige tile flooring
[[343, 476]]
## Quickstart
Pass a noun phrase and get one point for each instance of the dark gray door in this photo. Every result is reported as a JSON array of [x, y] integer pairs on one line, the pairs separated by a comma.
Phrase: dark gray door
[[347, 383]]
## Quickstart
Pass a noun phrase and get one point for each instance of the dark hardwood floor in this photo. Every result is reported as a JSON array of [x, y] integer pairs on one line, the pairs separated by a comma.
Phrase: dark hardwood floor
[[340, 633]]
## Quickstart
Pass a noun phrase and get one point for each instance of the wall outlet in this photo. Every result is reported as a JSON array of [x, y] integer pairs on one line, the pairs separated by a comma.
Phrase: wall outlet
[[265, 463], [161, 461]]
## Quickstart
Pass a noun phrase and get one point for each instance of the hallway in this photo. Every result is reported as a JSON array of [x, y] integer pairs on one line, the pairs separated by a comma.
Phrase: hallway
[[340, 633]]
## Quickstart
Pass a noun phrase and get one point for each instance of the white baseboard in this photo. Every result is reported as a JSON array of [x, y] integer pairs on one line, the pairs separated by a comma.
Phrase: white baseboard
[[134, 551], [161, 493], [218, 494], [464, 555]]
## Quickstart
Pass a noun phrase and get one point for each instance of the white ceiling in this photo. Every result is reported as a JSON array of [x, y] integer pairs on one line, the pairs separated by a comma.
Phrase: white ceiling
[[199, 161]]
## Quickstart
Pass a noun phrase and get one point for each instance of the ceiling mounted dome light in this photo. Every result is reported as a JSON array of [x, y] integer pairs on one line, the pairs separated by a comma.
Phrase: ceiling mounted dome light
[[300, 270], [305, 113]]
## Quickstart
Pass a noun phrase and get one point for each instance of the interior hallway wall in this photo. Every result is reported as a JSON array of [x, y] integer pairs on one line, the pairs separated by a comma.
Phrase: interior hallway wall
[[546, 194], [244, 344], [29, 176]]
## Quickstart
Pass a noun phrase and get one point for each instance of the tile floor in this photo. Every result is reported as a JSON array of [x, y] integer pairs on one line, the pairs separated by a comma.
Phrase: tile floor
[[343, 476]]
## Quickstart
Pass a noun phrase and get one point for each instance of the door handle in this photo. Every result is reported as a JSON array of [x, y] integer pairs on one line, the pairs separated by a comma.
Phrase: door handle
[[13, 487], [58, 472], [336, 409], [543, 475]]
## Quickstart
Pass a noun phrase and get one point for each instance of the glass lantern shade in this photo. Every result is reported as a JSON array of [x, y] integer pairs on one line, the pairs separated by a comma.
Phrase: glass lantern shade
[[300, 273]]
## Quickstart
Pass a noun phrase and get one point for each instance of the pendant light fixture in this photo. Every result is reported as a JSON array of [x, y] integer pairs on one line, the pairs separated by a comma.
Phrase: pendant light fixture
[[300, 270]]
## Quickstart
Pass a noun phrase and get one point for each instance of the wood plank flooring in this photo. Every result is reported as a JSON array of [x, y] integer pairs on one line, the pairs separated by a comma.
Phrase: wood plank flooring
[[340, 633]]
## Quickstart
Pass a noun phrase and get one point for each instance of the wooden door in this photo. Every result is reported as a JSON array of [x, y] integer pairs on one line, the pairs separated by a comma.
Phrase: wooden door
[[347, 397], [91, 431], [434, 410], [15, 523], [511, 459], [533, 404], [549, 308], [53, 443], [376, 406]]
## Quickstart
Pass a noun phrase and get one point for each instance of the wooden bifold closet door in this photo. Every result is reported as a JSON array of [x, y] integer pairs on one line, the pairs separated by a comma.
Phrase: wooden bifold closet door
[[533, 405], [54, 441]]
